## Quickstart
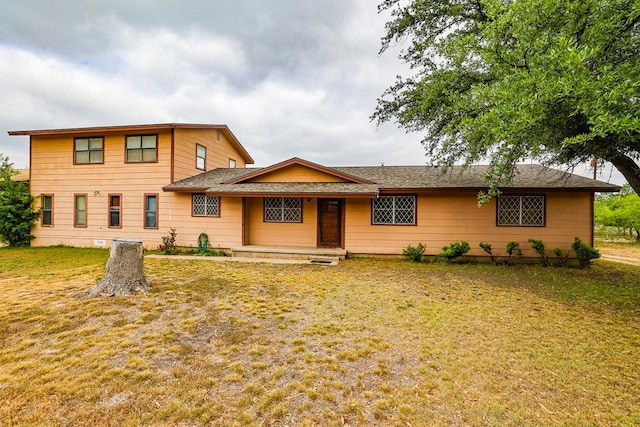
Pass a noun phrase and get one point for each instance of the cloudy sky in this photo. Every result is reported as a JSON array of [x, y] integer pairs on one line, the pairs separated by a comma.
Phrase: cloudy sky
[[289, 77]]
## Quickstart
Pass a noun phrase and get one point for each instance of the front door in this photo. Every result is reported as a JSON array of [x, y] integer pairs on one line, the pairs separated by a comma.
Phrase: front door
[[330, 222]]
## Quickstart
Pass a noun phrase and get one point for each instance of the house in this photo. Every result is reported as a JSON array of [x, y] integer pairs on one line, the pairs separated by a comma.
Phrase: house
[[99, 183]]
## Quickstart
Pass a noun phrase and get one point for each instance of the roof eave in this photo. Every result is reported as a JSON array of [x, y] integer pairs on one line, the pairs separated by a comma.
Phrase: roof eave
[[367, 195]]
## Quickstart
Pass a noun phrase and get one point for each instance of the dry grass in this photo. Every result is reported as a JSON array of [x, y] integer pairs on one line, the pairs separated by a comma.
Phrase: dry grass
[[628, 249], [364, 343]]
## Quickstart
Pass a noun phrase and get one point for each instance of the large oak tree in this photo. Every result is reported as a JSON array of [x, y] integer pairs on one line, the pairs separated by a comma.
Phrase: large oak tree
[[506, 80]]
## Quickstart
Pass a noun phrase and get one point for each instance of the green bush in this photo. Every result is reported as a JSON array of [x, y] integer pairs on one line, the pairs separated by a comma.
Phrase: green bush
[[538, 246], [561, 257], [169, 246], [414, 253], [488, 249], [513, 250], [17, 215], [585, 253], [454, 250]]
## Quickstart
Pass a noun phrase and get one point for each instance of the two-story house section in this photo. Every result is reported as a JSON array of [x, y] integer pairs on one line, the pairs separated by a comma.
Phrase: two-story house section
[[98, 183]]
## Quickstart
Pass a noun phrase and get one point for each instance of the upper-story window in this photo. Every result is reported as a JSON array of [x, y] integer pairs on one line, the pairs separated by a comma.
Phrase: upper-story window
[[232, 163], [88, 150], [201, 157], [142, 148]]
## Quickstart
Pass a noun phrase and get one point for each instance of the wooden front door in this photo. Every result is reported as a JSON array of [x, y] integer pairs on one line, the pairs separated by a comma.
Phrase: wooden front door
[[330, 222]]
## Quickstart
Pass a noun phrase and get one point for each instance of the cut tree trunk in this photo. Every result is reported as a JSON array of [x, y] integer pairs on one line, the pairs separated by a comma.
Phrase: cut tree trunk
[[124, 271]]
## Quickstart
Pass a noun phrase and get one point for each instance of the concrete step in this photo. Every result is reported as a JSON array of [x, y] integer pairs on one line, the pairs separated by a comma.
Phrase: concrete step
[[315, 255]]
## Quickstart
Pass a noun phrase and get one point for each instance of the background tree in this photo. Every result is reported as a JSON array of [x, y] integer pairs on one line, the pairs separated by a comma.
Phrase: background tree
[[620, 210], [504, 80], [17, 215]]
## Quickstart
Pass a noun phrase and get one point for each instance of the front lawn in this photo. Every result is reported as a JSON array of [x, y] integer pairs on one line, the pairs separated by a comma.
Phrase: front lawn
[[363, 343]]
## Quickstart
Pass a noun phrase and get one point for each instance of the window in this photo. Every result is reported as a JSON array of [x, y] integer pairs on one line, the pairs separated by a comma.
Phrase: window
[[142, 148], [201, 157], [87, 150], [282, 209], [150, 211], [80, 210], [115, 201], [521, 210], [394, 210], [232, 163], [203, 205], [46, 210]]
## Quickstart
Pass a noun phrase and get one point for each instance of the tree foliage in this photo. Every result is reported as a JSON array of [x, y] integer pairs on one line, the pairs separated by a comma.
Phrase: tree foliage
[[619, 210], [504, 80], [17, 215]]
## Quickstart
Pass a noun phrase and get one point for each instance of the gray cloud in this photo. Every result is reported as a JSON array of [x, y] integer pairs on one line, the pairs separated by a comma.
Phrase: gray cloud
[[290, 78]]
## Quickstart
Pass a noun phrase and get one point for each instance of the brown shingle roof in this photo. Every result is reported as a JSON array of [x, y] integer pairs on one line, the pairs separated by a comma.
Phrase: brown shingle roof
[[391, 178]]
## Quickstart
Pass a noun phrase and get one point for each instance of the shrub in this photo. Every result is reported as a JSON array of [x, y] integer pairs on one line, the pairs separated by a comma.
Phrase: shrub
[[168, 246], [561, 257], [487, 248], [538, 246], [416, 254], [585, 253], [513, 250], [454, 250], [17, 214]]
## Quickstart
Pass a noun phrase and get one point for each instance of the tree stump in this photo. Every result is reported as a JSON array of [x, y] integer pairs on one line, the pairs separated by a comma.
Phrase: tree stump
[[124, 271]]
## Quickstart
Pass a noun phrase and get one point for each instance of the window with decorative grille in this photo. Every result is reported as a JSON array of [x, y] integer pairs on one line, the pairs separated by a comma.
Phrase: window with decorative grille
[[521, 210], [203, 205], [394, 210], [282, 209]]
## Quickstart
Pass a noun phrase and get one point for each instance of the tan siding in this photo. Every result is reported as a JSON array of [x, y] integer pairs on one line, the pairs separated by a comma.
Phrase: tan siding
[[53, 172], [443, 219], [297, 173], [219, 151], [282, 234], [223, 232]]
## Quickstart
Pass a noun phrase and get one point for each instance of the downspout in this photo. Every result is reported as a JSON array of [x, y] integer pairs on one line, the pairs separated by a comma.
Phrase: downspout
[[593, 200], [173, 131]]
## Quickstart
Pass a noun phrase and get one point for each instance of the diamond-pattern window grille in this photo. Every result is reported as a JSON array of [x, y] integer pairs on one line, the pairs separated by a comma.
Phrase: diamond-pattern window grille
[[282, 209], [521, 210], [204, 205], [394, 210]]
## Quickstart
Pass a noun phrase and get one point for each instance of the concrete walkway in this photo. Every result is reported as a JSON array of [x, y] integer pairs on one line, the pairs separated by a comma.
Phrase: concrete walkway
[[318, 261]]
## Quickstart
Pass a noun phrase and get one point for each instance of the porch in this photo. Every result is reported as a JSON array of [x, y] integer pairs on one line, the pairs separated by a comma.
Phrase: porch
[[319, 255]]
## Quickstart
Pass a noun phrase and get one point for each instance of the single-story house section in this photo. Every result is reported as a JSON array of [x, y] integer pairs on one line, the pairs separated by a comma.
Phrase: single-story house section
[[382, 209], [95, 184]]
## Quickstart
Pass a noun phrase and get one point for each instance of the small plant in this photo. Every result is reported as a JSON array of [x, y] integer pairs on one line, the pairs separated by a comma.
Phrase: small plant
[[538, 246], [168, 246], [414, 253], [513, 250], [585, 253], [487, 248], [561, 257], [454, 250]]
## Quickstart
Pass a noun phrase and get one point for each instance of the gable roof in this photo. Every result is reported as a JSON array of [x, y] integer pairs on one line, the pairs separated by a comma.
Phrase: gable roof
[[299, 162], [102, 130], [384, 179]]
